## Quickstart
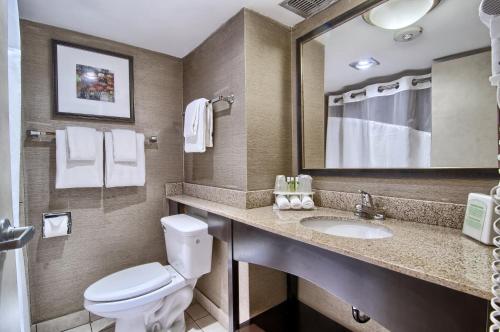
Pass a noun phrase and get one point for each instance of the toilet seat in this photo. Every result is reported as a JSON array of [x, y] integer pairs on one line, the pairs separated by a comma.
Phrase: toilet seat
[[128, 283], [176, 282]]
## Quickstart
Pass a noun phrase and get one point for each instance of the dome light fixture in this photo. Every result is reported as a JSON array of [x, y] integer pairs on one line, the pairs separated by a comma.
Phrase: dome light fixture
[[398, 14]]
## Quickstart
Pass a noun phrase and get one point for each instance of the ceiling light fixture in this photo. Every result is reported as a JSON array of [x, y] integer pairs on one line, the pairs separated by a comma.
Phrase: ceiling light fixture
[[398, 14], [408, 34], [364, 64]]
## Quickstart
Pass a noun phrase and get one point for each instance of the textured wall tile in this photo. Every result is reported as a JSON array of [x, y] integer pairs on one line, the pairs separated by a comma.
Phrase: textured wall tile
[[267, 82], [216, 67], [112, 228]]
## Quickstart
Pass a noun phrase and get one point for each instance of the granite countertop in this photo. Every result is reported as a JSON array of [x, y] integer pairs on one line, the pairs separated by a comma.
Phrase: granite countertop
[[436, 254]]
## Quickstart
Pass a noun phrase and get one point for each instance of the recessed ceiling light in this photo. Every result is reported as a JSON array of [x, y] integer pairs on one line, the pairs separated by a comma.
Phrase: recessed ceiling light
[[397, 14], [363, 64], [408, 34]]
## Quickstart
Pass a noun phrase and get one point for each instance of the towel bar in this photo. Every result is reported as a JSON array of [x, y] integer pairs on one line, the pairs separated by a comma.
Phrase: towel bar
[[36, 134]]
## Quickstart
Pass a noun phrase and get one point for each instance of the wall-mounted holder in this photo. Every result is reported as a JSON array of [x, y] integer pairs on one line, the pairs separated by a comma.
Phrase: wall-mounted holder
[[60, 224]]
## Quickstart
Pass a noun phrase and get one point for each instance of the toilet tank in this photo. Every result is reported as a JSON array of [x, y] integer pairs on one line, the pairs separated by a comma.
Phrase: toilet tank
[[189, 246]]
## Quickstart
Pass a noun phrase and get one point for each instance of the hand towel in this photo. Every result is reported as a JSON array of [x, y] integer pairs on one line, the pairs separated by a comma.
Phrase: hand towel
[[282, 202], [78, 174], [192, 117], [81, 143], [307, 202], [119, 174], [124, 146], [209, 111], [295, 202], [198, 142]]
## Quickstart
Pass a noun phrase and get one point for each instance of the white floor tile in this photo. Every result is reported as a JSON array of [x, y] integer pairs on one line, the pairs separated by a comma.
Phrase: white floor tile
[[83, 328], [209, 324], [196, 311], [191, 325], [102, 324]]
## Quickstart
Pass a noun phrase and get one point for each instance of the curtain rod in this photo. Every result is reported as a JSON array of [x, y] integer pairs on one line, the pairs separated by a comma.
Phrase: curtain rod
[[382, 88]]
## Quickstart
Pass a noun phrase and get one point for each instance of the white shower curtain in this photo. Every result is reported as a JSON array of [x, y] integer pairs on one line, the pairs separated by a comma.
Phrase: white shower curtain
[[14, 84], [368, 128]]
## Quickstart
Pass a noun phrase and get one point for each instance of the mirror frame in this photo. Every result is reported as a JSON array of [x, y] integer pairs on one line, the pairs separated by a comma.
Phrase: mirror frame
[[451, 172]]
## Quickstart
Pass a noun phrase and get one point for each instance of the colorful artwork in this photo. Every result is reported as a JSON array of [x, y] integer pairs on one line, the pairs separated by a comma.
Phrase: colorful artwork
[[95, 83]]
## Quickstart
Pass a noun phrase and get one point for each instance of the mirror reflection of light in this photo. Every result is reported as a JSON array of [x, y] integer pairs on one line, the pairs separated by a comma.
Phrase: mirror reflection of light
[[364, 64], [397, 14]]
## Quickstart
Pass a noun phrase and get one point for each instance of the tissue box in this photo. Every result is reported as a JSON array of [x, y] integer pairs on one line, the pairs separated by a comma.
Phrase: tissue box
[[479, 218]]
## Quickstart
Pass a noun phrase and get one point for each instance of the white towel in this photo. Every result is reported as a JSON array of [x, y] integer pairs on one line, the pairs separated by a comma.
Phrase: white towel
[[209, 111], [194, 111], [282, 202], [124, 146], [307, 202], [198, 142], [120, 174], [78, 174], [81, 144], [295, 202]]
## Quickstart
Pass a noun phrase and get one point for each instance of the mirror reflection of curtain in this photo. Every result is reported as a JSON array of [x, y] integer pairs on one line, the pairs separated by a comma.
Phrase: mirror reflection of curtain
[[370, 128]]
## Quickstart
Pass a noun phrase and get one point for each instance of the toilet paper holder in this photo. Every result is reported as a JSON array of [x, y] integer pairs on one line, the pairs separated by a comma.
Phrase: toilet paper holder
[[48, 216]]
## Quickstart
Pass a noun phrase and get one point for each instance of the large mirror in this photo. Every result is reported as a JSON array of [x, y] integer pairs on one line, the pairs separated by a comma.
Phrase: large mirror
[[404, 85]]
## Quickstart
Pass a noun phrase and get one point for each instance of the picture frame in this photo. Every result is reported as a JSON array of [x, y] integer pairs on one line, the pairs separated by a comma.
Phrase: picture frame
[[91, 83]]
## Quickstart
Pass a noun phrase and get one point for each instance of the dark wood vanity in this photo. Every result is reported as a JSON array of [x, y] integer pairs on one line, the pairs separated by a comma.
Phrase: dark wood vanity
[[397, 301]]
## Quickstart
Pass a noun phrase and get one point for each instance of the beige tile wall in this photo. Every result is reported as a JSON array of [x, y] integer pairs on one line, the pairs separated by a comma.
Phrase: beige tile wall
[[112, 228], [267, 86], [314, 104], [215, 67]]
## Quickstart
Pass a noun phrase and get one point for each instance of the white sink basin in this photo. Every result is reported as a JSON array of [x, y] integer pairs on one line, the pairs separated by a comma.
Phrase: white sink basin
[[344, 227]]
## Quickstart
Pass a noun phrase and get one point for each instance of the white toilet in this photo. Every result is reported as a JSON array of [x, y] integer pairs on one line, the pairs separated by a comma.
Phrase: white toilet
[[152, 297]]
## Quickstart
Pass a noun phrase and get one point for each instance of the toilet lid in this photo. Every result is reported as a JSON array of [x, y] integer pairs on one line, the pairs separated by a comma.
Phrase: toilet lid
[[128, 283]]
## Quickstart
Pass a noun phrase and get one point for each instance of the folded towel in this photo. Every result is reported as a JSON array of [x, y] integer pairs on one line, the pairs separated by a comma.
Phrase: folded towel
[[78, 174], [209, 140], [81, 143], [307, 202], [194, 111], [282, 202], [124, 146], [295, 202], [198, 142], [120, 174]]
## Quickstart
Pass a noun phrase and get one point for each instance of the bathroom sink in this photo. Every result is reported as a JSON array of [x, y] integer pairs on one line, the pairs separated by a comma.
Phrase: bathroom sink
[[353, 228]]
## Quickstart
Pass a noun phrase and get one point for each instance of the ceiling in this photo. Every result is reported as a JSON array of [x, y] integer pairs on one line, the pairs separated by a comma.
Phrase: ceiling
[[173, 27], [452, 27]]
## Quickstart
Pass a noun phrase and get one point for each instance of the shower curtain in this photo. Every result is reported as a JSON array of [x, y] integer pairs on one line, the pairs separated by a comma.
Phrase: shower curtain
[[381, 128], [14, 85]]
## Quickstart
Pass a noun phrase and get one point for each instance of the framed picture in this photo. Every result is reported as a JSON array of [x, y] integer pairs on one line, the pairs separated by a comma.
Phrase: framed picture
[[92, 83]]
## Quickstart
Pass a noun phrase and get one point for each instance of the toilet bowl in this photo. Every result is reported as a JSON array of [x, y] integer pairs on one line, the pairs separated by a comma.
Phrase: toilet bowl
[[152, 297]]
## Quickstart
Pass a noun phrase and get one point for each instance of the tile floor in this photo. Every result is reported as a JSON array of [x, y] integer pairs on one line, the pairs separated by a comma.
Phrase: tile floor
[[197, 320]]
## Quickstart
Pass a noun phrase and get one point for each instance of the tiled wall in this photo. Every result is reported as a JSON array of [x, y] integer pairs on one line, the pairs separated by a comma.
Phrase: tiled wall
[[112, 228], [267, 88], [216, 67]]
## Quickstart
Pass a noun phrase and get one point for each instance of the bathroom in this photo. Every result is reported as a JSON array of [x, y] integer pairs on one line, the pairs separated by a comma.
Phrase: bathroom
[[211, 166]]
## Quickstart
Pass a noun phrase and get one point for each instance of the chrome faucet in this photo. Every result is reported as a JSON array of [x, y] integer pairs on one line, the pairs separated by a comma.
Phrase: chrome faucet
[[366, 209]]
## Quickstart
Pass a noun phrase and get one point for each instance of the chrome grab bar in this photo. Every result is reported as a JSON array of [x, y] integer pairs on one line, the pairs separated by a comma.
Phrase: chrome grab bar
[[14, 237]]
